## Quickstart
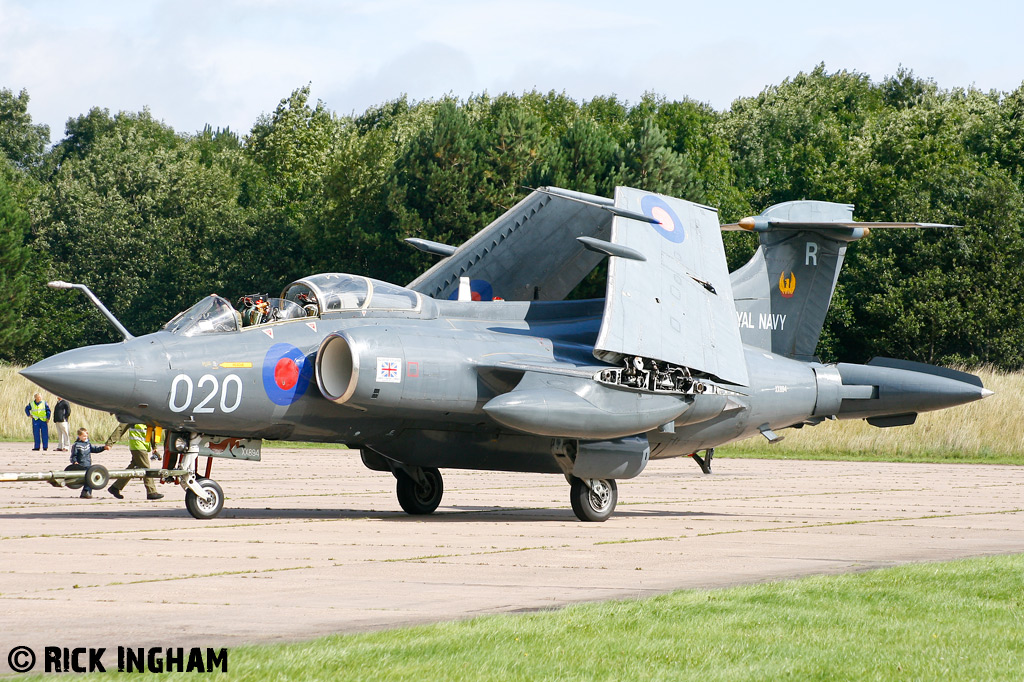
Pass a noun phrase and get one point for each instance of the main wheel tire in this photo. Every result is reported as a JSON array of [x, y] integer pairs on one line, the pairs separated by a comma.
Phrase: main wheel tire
[[96, 476], [205, 509], [593, 503], [416, 498]]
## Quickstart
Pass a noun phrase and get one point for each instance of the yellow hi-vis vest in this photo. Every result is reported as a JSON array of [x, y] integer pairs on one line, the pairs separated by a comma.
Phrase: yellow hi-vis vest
[[137, 437], [38, 411]]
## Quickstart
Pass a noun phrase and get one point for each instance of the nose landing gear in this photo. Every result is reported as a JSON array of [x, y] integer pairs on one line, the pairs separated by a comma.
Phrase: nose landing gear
[[205, 507]]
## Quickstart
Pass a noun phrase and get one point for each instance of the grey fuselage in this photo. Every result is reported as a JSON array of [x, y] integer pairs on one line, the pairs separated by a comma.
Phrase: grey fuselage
[[418, 381]]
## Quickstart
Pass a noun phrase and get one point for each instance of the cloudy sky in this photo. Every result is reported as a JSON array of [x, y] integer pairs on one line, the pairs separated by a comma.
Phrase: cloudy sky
[[224, 62]]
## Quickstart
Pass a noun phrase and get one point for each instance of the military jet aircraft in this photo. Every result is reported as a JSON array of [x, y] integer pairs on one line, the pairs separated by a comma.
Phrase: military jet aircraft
[[480, 363]]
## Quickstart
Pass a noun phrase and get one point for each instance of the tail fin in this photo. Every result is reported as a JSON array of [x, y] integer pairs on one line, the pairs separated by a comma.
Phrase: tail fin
[[783, 293]]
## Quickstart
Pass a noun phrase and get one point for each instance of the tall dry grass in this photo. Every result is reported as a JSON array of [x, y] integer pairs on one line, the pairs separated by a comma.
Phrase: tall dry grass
[[986, 429], [16, 392], [989, 429]]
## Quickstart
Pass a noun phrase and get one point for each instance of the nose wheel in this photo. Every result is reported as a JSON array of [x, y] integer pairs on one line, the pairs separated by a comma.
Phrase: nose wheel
[[593, 500], [208, 507]]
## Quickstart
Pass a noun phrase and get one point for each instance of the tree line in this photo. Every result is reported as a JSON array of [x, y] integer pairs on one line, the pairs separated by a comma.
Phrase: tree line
[[153, 219]]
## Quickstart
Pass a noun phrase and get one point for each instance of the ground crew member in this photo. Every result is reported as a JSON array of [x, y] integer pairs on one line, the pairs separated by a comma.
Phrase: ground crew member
[[140, 447], [61, 413], [155, 436], [40, 413]]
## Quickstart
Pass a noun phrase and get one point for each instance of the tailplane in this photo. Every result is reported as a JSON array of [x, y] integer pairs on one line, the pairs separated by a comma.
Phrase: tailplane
[[783, 293]]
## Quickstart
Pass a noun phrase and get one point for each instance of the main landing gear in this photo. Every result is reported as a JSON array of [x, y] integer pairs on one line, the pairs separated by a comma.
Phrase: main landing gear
[[593, 499], [419, 489]]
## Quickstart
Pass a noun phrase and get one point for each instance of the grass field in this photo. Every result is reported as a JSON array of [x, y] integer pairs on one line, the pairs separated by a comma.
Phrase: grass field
[[962, 620], [987, 431]]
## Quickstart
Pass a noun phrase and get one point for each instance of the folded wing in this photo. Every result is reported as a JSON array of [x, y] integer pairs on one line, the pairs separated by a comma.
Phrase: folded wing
[[676, 306], [529, 253]]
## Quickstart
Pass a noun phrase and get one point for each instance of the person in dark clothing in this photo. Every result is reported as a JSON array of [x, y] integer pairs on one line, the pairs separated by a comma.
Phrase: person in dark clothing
[[81, 453], [61, 412]]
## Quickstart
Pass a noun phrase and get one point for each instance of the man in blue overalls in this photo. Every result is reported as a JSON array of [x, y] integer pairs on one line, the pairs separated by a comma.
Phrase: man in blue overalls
[[40, 413]]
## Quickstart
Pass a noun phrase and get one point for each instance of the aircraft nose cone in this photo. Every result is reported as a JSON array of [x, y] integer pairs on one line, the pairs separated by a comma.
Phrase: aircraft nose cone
[[100, 377]]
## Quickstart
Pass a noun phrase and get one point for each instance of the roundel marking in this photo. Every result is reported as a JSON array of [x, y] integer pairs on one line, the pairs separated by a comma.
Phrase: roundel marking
[[669, 225], [481, 290], [662, 216], [285, 374]]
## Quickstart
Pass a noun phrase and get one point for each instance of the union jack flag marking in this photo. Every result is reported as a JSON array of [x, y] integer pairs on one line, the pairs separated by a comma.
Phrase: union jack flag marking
[[389, 370]]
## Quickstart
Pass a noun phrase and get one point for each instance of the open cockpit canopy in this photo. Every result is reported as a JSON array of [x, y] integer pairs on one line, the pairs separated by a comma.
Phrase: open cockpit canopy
[[211, 315], [312, 296], [333, 292]]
